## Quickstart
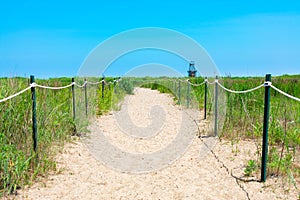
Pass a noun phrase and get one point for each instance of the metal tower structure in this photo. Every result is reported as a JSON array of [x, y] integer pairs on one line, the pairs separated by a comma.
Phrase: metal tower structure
[[192, 70]]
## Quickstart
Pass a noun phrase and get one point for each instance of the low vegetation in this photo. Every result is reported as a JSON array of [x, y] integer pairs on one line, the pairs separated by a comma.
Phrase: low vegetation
[[19, 164], [243, 119]]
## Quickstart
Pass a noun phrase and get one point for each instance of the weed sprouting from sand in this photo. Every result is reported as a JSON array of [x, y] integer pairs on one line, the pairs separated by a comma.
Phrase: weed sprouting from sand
[[250, 168]]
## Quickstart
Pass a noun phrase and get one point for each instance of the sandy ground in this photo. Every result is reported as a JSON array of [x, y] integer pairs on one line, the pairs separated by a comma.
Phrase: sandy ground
[[199, 173]]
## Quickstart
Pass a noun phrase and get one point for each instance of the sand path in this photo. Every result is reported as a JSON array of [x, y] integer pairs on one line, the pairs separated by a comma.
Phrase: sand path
[[198, 174]]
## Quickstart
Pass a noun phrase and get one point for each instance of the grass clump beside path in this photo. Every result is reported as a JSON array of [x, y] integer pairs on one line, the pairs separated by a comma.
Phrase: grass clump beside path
[[19, 164], [244, 118]]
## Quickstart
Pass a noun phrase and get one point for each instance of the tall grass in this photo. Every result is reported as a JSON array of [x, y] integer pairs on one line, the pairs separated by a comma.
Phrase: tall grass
[[184, 94], [244, 120], [112, 94], [19, 164]]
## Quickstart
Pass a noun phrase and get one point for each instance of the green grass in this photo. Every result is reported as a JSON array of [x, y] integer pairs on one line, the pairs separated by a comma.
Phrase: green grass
[[112, 94], [250, 168], [242, 120], [19, 164], [244, 116], [185, 95]]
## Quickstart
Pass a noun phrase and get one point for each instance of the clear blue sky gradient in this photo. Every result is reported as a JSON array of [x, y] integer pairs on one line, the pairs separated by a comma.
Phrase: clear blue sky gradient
[[244, 38]]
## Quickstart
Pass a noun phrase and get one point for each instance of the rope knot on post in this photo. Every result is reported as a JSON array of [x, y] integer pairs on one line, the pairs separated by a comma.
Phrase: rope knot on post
[[267, 83], [33, 85]]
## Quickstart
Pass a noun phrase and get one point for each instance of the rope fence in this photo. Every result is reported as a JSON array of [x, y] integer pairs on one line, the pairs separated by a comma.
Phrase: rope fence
[[267, 85], [285, 94], [240, 92], [81, 86], [16, 94], [33, 85], [52, 88]]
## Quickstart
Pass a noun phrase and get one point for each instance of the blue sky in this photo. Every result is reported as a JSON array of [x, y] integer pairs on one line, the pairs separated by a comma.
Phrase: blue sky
[[244, 38]]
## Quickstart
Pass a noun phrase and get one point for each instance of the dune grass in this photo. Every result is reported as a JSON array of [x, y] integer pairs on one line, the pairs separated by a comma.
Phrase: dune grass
[[19, 164], [243, 119]]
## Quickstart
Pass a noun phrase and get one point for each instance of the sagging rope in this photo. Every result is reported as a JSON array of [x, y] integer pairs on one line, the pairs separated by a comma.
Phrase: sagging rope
[[55, 88], [52, 88], [81, 86], [239, 92], [284, 93], [14, 95], [197, 85], [267, 83]]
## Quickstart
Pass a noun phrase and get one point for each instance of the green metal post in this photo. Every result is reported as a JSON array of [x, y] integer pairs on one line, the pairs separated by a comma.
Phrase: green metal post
[[264, 158], [175, 86], [216, 106], [205, 98], [103, 84], [73, 95], [86, 98], [179, 99], [34, 123], [188, 95], [115, 83]]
